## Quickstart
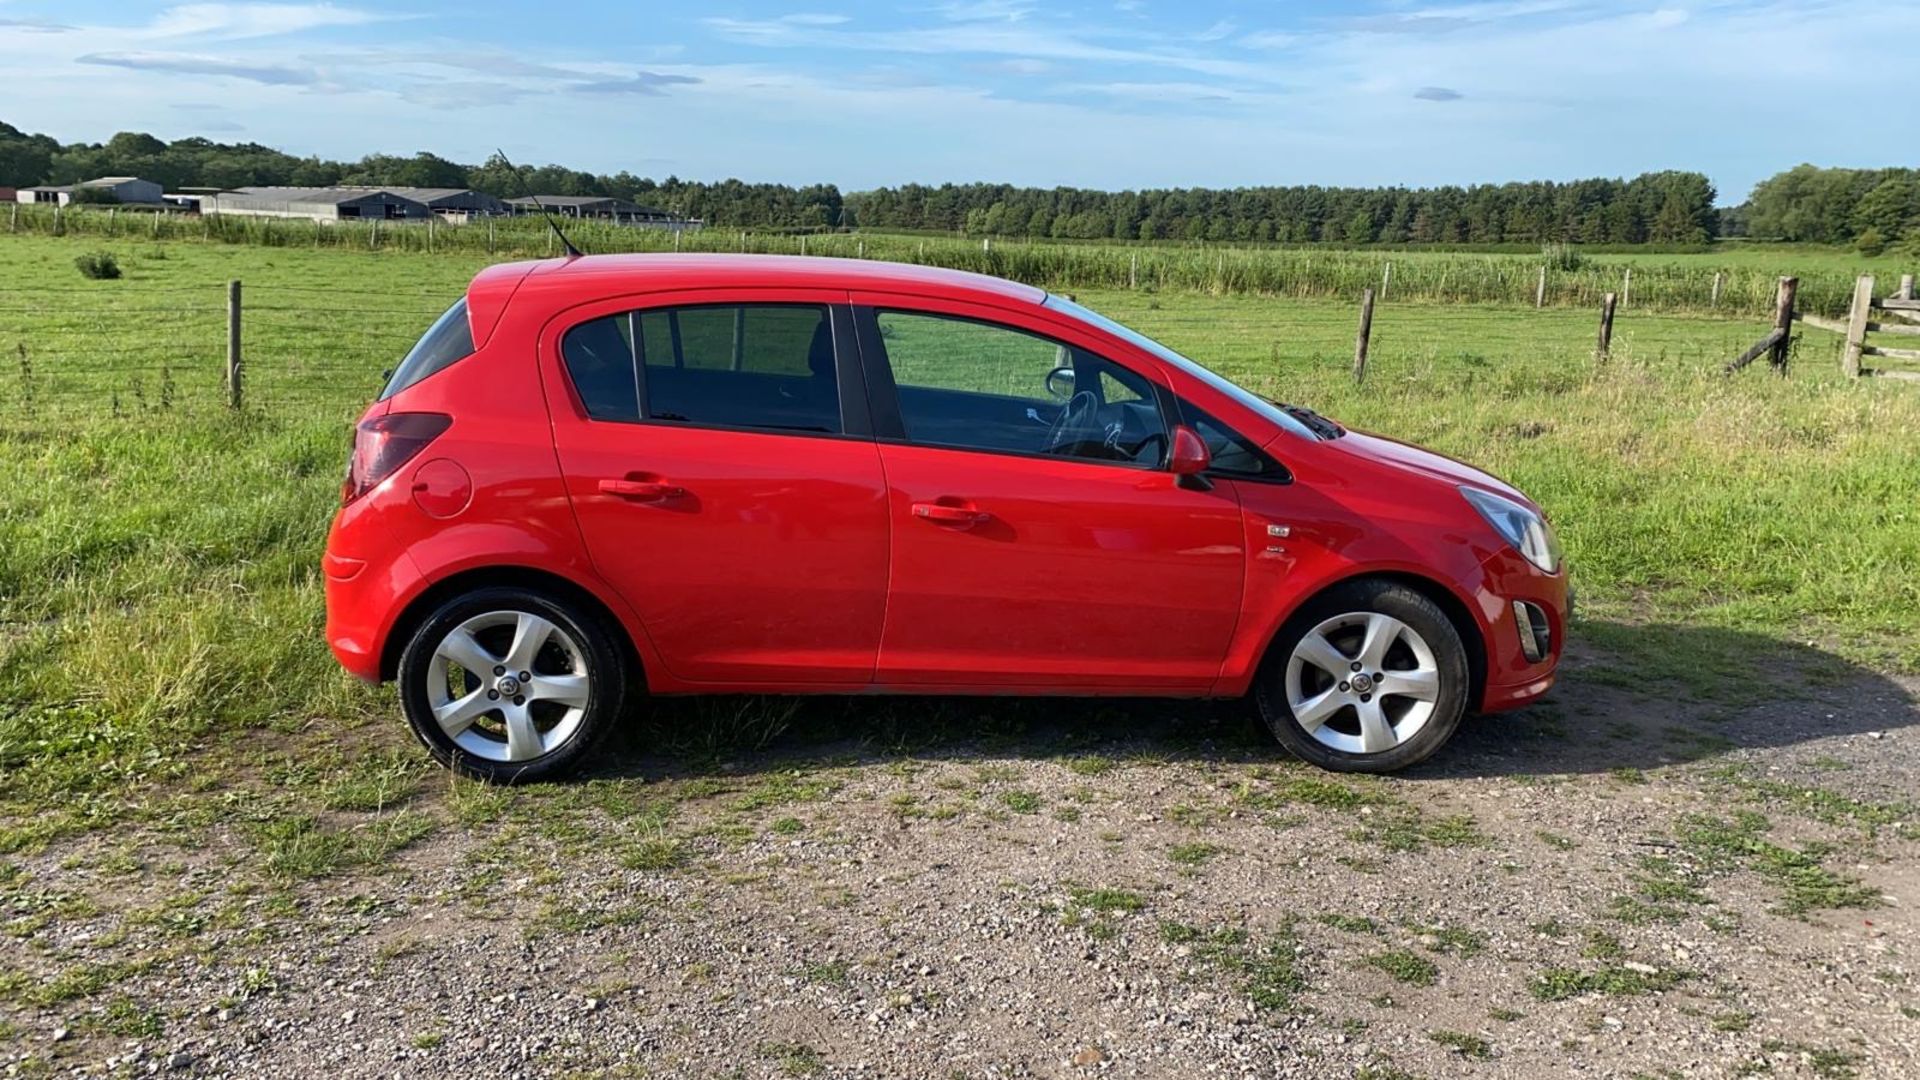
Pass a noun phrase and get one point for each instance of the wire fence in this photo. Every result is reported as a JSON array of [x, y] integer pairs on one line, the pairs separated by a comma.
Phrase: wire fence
[[70, 353], [74, 353]]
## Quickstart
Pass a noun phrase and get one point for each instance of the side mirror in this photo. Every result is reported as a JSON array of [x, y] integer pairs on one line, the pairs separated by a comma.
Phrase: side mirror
[[1189, 457], [1060, 383]]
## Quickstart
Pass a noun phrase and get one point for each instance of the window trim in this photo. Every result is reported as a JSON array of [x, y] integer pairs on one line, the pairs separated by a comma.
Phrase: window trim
[[1282, 478], [890, 427], [849, 375]]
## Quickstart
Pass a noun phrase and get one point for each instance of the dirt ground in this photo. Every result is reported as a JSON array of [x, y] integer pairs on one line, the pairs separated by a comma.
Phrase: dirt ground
[[1622, 882]]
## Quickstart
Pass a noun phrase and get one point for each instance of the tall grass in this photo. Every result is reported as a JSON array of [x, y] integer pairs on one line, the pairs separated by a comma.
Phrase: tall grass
[[1659, 283]]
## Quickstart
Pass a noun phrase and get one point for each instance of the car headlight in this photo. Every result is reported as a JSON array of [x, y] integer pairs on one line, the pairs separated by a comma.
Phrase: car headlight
[[1527, 531]]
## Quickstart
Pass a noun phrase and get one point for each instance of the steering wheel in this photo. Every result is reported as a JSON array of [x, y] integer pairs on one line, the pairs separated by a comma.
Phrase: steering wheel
[[1159, 443], [1076, 419]]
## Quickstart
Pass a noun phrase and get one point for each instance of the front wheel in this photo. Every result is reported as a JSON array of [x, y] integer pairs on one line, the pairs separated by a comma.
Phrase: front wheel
[[509, 685], [1371, 677]]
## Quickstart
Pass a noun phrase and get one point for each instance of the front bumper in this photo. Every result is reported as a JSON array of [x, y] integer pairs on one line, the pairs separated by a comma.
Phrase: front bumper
[[1527, 631]]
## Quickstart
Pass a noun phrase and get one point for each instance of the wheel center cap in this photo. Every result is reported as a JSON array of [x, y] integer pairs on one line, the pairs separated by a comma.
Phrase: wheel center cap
[[1362, 684], [507, 685]]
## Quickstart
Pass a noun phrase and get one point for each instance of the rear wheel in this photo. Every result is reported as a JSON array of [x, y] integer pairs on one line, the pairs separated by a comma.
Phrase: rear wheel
[[1370, 677], [511, 685]]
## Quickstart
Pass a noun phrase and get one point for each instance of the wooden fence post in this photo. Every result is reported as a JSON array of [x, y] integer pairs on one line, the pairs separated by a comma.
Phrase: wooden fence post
[[1366, 332], [233, 344], [1133, 270], [1540, 290], [1857, 318], [1386, 278], [1607, 304], [1906, 286], [1783, 323], [1626, 288], [1719, 279]]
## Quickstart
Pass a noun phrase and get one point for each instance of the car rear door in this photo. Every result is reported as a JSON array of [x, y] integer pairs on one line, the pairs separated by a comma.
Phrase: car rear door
[[717, 453], [1026, 555]]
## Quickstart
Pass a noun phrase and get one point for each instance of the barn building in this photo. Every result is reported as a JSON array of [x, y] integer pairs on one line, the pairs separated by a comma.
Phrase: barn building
[[600, 208], [453, 204], [127, 190], [326, 204]]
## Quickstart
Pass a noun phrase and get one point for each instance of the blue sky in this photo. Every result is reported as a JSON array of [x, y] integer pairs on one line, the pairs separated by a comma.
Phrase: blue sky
[[1110, 93]]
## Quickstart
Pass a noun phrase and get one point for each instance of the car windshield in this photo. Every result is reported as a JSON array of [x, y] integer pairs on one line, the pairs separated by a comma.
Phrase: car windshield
[[1281, 415]]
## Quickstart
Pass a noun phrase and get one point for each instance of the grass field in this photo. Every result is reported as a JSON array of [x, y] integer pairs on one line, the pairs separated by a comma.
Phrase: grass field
[[162, 587], [1735, 278], [168, 711]]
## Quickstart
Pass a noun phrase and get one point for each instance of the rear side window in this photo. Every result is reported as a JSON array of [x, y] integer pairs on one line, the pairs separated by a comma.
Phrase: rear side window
[[446, 342], [764, 366]]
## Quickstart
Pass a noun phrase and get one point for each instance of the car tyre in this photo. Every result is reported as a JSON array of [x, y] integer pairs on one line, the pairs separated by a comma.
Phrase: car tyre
[[1369, 677], [510, 685]]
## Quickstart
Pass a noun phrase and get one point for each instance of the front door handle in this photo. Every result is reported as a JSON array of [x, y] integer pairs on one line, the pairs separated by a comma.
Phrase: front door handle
[[941, 514], [642, 490]]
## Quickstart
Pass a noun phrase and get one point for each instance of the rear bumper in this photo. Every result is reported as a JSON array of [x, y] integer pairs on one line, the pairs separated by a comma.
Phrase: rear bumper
[[362, 599]]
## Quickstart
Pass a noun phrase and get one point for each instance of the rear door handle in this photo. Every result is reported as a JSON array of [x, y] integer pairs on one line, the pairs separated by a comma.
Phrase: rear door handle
[[642, 490], [941, 514]]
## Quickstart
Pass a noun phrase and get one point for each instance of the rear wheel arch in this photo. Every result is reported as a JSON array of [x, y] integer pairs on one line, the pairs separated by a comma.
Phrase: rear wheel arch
[[1472, 637], [556, 586]]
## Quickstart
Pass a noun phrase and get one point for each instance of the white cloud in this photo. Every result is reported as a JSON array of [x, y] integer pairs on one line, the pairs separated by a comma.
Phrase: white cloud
[[238, 21], [196, 64]]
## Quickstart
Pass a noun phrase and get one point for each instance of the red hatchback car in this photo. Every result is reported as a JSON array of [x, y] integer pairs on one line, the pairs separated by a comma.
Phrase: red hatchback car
[[607, 476]]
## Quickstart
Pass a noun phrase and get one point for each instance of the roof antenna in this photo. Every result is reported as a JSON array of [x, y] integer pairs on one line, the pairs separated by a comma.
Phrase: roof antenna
[[566, 245]]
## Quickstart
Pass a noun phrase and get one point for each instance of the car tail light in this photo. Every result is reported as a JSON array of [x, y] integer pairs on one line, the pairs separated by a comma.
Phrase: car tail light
[[382, 444]]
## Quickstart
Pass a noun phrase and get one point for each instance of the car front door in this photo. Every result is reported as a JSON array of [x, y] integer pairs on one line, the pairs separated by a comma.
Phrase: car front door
[[1038, 541], [717, 453]]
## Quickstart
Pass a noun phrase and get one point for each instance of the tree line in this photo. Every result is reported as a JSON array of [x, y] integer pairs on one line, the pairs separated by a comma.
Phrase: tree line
[[1870, 208], [1873, 208], [1660, 208]]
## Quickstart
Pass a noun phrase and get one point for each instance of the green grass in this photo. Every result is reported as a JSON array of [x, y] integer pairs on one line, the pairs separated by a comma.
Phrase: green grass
[[1472, 1046], [1270, 974], [1406, 966], [1561, 984]]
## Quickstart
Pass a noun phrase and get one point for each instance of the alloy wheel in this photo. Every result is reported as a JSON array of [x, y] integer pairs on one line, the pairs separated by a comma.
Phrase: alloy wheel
[[1362, 683], [508, 686]]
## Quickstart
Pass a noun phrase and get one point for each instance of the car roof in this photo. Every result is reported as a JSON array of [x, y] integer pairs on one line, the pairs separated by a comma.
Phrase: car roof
[[614, 274]]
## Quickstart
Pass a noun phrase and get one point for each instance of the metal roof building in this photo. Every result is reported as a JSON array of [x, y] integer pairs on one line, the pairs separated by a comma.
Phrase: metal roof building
[[316, 204], [130, 190], [602, 208], [457, 203]]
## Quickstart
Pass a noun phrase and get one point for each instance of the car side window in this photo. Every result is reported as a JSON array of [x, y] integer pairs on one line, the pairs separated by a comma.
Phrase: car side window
[[767, 366], [976, 385], [1233, 453]]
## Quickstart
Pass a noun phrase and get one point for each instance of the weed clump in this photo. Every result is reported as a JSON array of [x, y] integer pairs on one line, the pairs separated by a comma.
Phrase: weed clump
[[98, 266]]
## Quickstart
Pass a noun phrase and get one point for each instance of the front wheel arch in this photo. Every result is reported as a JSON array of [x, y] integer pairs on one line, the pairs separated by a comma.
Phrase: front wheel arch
[[1472, 637], [518, 577]]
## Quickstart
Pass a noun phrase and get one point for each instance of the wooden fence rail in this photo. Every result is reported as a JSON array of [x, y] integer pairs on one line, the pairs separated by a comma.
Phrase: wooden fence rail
[[1902, 308]]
